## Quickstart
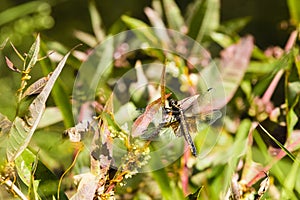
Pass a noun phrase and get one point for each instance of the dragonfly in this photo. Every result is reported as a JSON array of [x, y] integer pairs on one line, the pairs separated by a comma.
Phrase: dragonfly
[[183, 116]]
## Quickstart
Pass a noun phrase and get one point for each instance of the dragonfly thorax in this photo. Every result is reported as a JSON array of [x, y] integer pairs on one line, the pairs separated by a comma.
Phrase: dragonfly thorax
[[171, 112]]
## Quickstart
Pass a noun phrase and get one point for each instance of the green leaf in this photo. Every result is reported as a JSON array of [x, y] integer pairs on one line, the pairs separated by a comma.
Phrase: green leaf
[[294, 91], [294, 8], [155, 18], [2, 45], [32, 56], [133, 23], [24, 165], [59, 94], [232, 27], [165, 185], [204, 18], [282, 63], [290, 180], [33, 191], [96, 21], [20, 11], [222, 39], [195, 195], [297, 60], [293, 98], [34, 184], [279, 144], [23, 129], [173, 15], [141, 29], [86, 38], [52, 115], [240, 143]]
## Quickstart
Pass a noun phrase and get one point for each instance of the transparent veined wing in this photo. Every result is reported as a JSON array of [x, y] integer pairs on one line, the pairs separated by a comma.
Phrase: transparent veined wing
[[199, 103]]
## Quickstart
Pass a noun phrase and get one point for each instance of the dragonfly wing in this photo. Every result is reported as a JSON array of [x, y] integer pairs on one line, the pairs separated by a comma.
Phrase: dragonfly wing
[[206, 118], [158, 134], [152, 133], [198, 103], [188, 102]]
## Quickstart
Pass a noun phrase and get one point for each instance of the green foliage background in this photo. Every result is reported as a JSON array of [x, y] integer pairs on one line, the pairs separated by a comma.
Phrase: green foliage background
[[217, 25]]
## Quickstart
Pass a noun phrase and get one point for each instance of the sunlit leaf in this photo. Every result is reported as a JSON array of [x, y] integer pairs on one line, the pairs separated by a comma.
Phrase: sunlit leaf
[[294, 91], [140, 29], [24, 165], [86, 188], [222, 39], [293, 99], [32, 56], [291, 178], [294, 8], [16, 51], [19, 11], [204, 18], [23, 129], [34, 184], [154, 18], [86, 38], [96, 21], [173, 15], [52, 115], [33, 192], [2, 45]]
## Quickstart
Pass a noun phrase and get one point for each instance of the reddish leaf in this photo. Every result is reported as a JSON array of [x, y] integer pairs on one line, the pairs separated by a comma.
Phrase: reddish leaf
[[142, 122], [11, 65], [234, 62], [36, 87]]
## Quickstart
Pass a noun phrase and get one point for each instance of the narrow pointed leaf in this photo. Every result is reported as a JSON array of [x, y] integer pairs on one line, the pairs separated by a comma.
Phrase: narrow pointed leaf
[[96, 21], [32, 56], [279, 144], [173, 15], [141, 29], [2, 45], [24, 164], [204, 18], [23, 129]]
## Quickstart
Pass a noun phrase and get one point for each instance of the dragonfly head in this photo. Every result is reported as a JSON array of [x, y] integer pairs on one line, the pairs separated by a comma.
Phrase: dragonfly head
[[173, 103]]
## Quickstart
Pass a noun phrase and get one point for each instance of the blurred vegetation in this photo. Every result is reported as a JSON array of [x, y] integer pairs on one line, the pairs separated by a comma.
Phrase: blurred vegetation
[[258, 146]]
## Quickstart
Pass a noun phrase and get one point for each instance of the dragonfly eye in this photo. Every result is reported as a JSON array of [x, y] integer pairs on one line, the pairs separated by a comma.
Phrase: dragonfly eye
[[173, 102]]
